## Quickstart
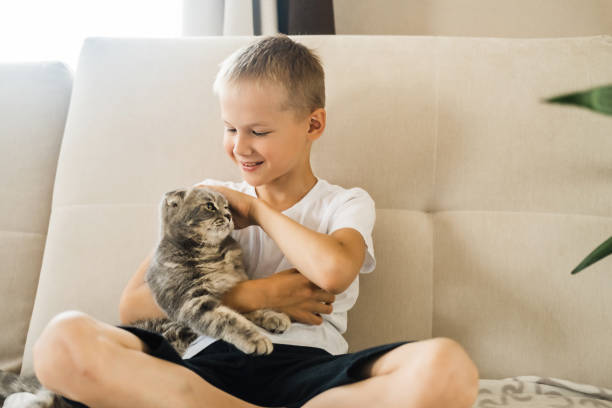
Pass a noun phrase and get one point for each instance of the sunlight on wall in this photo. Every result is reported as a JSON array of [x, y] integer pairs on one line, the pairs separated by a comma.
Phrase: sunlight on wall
[[43, 30]]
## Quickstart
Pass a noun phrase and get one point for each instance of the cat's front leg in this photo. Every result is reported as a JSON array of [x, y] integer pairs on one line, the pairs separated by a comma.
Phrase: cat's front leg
[[224, 323], [42, 399], [271, 320]]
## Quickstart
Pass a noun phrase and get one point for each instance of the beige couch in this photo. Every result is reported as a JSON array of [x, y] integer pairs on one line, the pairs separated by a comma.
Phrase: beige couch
[[486, 197]]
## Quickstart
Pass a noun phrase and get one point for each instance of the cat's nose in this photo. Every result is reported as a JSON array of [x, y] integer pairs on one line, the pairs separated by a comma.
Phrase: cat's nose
[[228, 216]]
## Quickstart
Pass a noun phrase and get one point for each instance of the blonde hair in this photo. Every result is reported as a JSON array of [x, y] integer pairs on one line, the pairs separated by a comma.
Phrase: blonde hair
[[279, 60]]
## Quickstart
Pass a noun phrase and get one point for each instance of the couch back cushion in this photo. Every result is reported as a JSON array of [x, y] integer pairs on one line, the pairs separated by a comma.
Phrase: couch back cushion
[[34, 102], [486, 197]]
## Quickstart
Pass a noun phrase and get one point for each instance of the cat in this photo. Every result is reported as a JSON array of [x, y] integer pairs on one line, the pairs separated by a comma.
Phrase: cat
[[196, 261], [27, 392]]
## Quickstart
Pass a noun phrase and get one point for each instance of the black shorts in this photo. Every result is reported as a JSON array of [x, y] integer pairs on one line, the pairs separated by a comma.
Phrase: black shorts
[[288, 377]]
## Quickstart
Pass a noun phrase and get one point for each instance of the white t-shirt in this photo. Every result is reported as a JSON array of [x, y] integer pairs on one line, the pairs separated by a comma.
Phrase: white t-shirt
[[325, 209]]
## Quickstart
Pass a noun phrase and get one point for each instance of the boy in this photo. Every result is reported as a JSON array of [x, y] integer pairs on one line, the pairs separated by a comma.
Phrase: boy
[[305, 241]]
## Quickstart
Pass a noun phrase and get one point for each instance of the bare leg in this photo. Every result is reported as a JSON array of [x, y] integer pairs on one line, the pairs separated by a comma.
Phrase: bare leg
[[103, 366], [430, 373]]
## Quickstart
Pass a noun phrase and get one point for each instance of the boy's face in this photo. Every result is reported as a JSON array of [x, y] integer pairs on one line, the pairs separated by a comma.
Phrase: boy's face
[[266, 143]]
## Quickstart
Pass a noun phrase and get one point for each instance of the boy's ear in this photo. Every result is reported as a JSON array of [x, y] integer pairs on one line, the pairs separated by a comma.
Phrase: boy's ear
[[316, 123]]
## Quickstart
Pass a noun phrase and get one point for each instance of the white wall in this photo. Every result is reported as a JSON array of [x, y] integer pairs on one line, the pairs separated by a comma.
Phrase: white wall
[[475, 18]]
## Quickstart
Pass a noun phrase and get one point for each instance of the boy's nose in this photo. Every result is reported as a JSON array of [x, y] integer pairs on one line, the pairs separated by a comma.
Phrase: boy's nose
[[241, 145]]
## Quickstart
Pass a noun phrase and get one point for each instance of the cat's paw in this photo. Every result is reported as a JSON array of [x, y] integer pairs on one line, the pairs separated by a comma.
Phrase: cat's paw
[[25, 400], [258, 345], [275, 322]]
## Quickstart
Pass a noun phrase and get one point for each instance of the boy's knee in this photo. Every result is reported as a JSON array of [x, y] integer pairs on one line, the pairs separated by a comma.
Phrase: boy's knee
[[65, 349], [451, 372]]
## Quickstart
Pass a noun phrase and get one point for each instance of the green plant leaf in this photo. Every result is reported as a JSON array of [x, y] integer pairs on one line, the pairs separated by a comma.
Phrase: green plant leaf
[[598, 253], [598, 99]]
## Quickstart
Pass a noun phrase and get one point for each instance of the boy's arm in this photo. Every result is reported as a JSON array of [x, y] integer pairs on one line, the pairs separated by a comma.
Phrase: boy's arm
[[137, 300], [331, 261], [286, 291]]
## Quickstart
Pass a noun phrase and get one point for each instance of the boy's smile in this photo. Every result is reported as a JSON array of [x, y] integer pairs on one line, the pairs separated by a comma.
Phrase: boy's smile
[[269, 145]]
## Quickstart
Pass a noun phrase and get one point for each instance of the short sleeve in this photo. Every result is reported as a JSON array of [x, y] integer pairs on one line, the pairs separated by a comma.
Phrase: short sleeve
[[210, 182], [356, 210]]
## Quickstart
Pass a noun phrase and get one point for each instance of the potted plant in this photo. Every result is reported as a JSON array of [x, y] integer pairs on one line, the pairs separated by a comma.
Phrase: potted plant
[[599, 100]]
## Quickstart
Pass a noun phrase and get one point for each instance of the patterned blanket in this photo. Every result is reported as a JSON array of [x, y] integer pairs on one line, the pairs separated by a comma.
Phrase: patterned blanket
[[540, 392]]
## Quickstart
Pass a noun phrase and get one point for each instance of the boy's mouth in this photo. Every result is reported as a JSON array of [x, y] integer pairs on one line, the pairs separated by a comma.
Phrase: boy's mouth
[[250, 166]]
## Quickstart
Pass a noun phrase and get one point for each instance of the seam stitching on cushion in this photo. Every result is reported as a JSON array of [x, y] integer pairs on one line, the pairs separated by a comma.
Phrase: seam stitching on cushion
[[433, 184], [529, 212], [433, 213], [436, 115], [62, 206], [22, 232]]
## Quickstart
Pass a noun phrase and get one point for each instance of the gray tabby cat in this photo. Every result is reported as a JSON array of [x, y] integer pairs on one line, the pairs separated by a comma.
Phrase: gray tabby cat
[[27, 392], [196, 261]]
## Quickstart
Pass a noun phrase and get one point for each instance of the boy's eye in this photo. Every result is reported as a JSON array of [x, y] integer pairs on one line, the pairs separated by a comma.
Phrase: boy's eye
[[255, 133]]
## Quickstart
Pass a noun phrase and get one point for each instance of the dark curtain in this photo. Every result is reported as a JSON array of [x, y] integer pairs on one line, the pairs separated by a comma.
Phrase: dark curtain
[[296, 17]]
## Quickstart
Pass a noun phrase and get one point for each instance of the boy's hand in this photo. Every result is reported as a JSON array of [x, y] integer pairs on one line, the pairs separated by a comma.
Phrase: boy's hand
[[240, 205], [287, 291], [292, 293]]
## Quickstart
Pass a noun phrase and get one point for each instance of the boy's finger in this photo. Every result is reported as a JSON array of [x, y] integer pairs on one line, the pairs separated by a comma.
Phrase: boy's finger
[[308, 318], [322, 308], [325, 297], [317, 319]]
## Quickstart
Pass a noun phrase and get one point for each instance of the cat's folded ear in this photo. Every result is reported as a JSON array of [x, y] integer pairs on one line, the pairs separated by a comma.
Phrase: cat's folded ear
[[174, 197]]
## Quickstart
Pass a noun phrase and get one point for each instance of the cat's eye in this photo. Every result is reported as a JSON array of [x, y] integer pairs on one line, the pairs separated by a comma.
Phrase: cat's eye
[[211, 206]]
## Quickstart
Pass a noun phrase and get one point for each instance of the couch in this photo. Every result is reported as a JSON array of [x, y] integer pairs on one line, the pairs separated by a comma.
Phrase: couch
[[486, 197]]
